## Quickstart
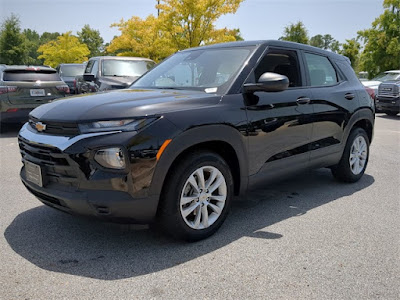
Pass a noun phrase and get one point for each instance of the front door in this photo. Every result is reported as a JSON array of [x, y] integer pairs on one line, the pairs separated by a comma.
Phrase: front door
[[280, 124]]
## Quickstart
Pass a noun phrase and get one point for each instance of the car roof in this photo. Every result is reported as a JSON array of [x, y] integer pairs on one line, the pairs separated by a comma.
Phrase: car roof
[[275, 43], [72, 64], [120, 58], [392, 71], [25, 67]]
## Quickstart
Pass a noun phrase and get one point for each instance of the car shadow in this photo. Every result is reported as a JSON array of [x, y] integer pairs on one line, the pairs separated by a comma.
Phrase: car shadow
[[384, 116], [62, 243], [9, 130]]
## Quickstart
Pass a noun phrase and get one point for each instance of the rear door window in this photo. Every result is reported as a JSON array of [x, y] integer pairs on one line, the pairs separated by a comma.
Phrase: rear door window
[[320, 70], [31, 76]]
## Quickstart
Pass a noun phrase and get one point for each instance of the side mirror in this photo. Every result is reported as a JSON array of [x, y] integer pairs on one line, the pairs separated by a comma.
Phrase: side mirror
[[88, 77], [268, 82]]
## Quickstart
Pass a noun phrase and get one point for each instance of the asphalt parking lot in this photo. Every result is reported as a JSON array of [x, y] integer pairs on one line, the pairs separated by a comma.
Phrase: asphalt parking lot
[[309, 237]]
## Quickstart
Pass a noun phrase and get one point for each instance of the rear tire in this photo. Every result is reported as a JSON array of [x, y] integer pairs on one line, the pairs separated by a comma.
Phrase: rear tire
[[391, 113], [354, 160], [197, 197]]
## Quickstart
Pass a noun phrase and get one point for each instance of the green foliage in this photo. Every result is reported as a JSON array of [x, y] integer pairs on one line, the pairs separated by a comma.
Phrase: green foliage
[[351, 49], [326, 42], [317, 41], [181, 24], [382, 41], [48, 36], [12, 42], [295, 33], [32, 43], [66, 49], [92, 39]]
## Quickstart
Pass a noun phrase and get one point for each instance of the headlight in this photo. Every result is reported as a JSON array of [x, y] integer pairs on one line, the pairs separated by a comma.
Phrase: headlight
[[112, 158], [122, 125]]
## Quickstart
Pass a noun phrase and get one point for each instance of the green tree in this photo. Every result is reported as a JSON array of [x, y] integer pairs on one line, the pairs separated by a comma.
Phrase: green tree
[[382, 41], [351, 49], [66, 49], [317, 41], [48, 36], [12, 46], [32, 43], [295, 33], [335, 46], [92, 39]]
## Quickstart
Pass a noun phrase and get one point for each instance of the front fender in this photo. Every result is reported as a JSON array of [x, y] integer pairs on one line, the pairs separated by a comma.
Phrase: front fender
[[195, 136]]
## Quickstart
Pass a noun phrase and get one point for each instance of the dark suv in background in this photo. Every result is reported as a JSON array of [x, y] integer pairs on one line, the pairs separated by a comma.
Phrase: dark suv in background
[[203, 126], [23, 88], [388, 97], [112, 72], [68, 72]]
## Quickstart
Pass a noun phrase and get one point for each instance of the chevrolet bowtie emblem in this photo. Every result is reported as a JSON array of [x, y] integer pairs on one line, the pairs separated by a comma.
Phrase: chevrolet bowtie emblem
[[40, 126]]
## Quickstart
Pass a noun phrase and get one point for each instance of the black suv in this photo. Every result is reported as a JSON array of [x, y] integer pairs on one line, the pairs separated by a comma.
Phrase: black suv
[[203, 126], [388, 97]]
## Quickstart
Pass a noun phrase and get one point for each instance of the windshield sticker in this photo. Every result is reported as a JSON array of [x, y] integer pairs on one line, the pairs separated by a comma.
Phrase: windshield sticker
[[211, 90]]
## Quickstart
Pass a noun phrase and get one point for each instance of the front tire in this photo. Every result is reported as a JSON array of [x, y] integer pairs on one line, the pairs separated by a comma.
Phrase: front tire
[[354, 159], [197, 196], [391, 113]]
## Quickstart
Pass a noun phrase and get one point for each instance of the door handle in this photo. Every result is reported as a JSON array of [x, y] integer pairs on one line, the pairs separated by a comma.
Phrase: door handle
[[303, 100], [349, 96]]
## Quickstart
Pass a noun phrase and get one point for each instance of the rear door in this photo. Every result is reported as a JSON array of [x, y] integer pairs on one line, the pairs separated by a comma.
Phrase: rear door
[[333, 99]]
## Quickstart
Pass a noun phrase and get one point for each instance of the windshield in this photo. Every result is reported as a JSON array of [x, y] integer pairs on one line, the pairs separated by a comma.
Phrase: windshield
[[132, 68], [201, 69], [387, 76], [72, 70]]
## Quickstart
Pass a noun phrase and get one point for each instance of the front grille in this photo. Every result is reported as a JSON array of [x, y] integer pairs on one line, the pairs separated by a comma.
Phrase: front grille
[[56, 128], [54, 164], [388, 90]]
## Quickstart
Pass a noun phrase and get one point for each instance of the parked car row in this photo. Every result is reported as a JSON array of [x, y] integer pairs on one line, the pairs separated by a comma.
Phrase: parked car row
[[23, 88], [384, 89]]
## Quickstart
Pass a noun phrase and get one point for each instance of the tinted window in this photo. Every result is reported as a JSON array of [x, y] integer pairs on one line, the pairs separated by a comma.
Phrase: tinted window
[[71, 70], [125, 67], [321, 70], [282, 62], [28, 75]]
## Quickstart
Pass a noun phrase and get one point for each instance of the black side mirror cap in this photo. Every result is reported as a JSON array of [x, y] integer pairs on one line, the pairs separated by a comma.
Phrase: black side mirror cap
[[268, 82], [88, 77]]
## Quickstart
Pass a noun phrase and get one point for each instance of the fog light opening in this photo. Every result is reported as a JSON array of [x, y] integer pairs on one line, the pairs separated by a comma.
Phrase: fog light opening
[[112, 158]]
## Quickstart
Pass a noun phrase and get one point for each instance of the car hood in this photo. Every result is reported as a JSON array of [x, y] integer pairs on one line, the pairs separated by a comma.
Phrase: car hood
[[122, 104], [125, 81], [371, 83]]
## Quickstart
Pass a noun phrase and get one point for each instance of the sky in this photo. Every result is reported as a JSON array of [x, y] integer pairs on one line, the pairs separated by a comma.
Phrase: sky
[[256, 19]]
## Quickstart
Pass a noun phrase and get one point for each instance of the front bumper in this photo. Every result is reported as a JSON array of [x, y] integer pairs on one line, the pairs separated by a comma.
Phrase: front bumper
[[71, 187], [388, 103]]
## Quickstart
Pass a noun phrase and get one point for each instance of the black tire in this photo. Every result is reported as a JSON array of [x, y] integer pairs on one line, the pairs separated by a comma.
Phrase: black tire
[[170, 218], [391, 113], [342, 171]]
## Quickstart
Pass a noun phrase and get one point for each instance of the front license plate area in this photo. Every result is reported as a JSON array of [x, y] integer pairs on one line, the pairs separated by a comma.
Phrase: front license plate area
[[37, 92], [33, 173]]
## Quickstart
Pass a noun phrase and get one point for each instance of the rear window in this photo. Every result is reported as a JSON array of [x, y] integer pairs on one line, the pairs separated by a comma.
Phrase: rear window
[[71, 70], [31, 75]]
